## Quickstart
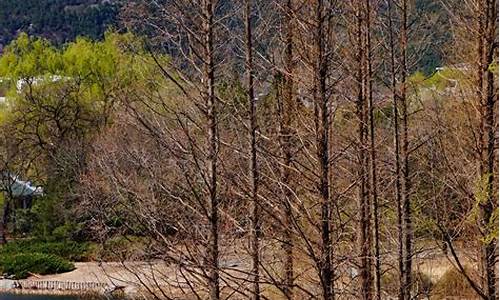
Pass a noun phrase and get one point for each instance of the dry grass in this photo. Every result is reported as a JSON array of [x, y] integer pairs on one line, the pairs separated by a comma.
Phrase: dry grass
[[453, 285]]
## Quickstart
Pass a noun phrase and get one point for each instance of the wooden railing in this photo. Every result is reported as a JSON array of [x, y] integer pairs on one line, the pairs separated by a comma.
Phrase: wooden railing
[[61, 285]]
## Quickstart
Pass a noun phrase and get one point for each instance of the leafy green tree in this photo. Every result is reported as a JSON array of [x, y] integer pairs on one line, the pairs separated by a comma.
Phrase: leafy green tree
[[59, 98]]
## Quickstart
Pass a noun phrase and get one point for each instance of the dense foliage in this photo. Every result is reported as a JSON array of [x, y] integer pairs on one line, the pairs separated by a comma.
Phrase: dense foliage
[[58, 99], [21, 265], [60, 20], [65, 249]]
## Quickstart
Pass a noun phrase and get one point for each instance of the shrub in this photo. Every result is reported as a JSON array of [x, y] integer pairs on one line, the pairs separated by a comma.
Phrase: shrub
[[421, 284], [389, 282], [69, 250], [64, 232], [20, 265], [23, 222], [453, 284]]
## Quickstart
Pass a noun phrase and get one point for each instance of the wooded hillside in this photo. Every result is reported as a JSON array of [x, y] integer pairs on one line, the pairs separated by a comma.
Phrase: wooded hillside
[[284, 149], [57, 20]]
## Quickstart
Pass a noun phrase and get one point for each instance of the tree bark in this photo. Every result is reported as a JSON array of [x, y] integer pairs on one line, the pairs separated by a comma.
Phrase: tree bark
[[373, 156], [4, 222], [364, 222], [487, 49], [253, 167], [397, 159], [210, 99], [322, 135], [285, 132], [407, 214]]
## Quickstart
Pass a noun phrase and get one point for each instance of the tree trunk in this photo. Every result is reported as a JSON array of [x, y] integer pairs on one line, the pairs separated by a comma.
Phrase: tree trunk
[[397, 159], [407, 214], [253, 168], [209, 80], [364, 222], [487, 51], [4, 221], [373, 156], [285, 133], [322, 135]]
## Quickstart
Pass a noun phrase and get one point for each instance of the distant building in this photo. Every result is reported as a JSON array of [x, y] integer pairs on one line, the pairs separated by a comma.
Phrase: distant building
[[16, 188], [460, 67], [21, 83]]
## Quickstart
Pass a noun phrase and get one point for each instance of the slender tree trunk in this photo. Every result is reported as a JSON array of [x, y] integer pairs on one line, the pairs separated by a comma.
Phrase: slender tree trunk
[[364, 222], [487, 49], [407, 214], [209, 80], [373, 156], [254, 172], [322, 135], [286, 108], [397, 159], [3, 222]]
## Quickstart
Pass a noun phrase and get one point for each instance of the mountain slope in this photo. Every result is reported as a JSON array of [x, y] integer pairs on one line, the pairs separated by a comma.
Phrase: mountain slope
[[57, 20]]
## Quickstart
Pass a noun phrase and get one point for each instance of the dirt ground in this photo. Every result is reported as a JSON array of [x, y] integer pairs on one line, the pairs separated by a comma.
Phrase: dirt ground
[[134, 276]]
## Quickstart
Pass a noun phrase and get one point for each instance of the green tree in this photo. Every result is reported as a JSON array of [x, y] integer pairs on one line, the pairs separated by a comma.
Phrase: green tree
[[60, 98]]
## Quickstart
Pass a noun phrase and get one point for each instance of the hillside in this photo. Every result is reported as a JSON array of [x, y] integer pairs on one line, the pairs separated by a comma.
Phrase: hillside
[[58, 20], [62, 20]]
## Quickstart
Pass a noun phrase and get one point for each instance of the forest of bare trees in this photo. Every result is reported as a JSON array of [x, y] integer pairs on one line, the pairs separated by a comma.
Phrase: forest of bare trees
[[285, 149]]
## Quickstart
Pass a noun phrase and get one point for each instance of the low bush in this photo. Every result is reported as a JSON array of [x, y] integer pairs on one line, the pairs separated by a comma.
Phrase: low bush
[[69, 250], [123, 248], [422, 284], [21, 265], [453, 284]]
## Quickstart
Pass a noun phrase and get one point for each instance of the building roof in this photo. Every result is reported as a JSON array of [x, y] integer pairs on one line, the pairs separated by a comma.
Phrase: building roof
[[20, 188]]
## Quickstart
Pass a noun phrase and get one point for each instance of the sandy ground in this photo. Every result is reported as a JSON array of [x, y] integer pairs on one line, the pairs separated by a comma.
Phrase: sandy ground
[[134, 276], [129, 275]]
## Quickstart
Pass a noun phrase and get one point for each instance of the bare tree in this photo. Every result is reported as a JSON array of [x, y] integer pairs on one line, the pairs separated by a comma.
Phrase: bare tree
[[487, 50], [286, 109], [253, 168], [373, 155], [322, 111], [397, 158]]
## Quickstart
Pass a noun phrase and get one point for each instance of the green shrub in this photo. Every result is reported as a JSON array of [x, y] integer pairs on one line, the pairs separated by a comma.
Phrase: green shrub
[[69, 250], [20, 265], [23, 222], [64, 232]]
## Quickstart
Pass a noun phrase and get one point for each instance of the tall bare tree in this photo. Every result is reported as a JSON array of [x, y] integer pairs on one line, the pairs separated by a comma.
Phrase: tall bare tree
[[322, 111], [487, 50], [212, 146], [397, 146], [286, 109], [253, 167], [406, 194], [363, 174], [373, 155]]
